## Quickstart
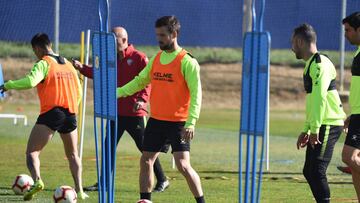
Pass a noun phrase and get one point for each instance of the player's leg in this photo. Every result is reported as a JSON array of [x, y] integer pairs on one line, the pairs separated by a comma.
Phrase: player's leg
[[146, 177], [154, 140], [181, 153], [135, 126], [310, 159], [351, 151], [162, 183], [69, 136], [41, 133], [71, 152], [351, 156], [39, 137], [328, 137], [182, 160]]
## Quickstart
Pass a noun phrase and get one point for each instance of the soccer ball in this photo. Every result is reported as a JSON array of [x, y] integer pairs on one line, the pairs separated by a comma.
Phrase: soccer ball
[[144, 201], [22, 184], [65, 194]]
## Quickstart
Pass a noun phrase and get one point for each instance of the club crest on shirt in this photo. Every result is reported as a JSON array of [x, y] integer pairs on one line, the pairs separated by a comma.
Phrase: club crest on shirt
[[129, 62]]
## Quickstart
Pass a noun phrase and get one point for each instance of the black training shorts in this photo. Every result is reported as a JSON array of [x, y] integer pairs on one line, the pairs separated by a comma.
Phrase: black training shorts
[[158, 134], [58, 119], [353, 135]]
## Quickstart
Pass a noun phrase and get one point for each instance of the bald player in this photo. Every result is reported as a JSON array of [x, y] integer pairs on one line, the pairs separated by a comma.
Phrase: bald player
[[131, 110]]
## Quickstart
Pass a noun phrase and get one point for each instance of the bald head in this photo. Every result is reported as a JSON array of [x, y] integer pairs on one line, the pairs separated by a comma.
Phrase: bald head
[[120, 32], [121, 38]]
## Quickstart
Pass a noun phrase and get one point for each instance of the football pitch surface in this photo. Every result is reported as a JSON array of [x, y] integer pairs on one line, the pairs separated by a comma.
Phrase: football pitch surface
[[214, 155]]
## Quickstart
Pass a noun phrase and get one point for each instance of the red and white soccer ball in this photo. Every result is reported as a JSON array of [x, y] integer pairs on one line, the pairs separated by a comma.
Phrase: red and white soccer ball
[[65, 194], [22, 184], [144, 201]]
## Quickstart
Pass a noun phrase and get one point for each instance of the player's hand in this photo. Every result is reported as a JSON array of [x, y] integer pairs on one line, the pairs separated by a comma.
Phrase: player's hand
[[77, 65], [302, 141], [346, 124], [138, 105], [314, 139], [2, 89], [187, 134]]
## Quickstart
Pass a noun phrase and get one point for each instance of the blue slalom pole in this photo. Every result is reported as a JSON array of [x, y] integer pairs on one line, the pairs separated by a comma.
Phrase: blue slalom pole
[[261, 20], [103, 157], [97, 159]]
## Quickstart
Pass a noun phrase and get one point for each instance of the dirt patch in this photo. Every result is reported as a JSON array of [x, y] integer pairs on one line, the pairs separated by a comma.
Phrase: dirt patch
[[221, 84]]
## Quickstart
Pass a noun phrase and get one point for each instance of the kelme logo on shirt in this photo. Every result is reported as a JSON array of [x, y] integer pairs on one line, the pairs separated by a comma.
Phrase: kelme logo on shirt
[[64, 75], [163, 76]]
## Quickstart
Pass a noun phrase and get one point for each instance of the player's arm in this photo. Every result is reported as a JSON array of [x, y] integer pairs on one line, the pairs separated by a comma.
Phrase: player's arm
[[191, 71], [306, 126], [320, 83], [36, 75], [137, 84], [85, 70]]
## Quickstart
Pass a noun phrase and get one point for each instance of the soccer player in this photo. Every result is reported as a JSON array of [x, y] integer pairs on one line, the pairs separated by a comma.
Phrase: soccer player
[[175, 102], [324, 112], [59, 92], [132, 110], [351, 150]]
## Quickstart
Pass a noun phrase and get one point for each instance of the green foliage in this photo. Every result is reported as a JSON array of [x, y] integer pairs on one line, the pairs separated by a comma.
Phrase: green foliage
[[202, 54]]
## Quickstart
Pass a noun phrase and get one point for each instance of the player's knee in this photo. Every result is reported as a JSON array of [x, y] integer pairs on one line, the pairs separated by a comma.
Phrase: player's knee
[[72, 156], [319, 174], [31, 155], [146, 161], [183, 167]]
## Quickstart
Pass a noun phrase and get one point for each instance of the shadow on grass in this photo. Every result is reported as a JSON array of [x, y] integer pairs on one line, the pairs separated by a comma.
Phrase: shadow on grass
[[227, 172], [8, 191]]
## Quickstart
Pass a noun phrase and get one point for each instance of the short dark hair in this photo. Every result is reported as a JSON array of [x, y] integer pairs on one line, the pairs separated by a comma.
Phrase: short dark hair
[[171, 22], [305, 32], [40, 40], [353, 20]]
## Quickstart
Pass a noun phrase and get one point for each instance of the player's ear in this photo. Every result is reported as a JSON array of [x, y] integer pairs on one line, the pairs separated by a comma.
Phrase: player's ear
[[357, 30], [174, 34], [299, 42]]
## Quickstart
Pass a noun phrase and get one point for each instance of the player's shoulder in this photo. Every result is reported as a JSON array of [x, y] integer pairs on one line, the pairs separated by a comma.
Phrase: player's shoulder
[[42, 62], [324, 61], [190, 58], [189, 54]]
